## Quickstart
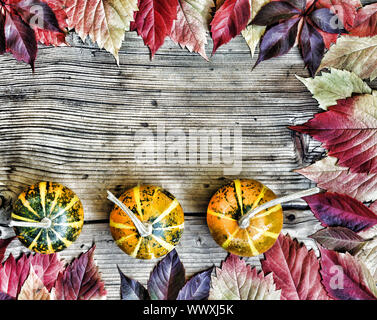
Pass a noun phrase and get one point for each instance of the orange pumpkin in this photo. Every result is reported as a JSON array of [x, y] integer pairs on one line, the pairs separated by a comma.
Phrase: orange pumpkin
[[229, 204], [158, 211]]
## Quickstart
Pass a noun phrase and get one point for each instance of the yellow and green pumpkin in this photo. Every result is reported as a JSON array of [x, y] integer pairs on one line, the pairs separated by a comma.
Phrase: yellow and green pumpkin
[[229, 204], [153, 206], [58, 204]]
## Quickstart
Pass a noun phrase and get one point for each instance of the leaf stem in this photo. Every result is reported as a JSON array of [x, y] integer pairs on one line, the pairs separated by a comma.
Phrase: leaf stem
[[143, 230], [244, 221]]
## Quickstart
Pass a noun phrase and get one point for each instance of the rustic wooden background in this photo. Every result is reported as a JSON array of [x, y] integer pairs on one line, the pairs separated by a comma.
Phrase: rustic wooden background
[[74, 122]]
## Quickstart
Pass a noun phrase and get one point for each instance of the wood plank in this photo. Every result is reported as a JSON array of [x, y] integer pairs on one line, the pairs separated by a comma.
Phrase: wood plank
[[197, 249]]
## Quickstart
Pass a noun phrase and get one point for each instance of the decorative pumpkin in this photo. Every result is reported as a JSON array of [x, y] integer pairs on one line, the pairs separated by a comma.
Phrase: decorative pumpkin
[[235, 200], [47, 217], [147, 222]]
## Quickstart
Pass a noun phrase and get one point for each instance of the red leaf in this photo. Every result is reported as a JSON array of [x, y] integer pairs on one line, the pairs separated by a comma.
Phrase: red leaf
[[366, 22], [55, 38], [154, 21], [230, 19], [80, 280], [20, 39], [345, 278], [2, 34], [3, 247], [339, 210], [295, 270], [348, 131]]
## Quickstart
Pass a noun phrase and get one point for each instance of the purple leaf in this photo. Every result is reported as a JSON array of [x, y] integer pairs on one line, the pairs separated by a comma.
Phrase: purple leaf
[[131, 289], [20, 39], [2, 34], [167, 278], [197, 288], [3, 247], [278, 40], [299, 4], [4, 296], [327, 21], [312, 47], [338, 239], [339, 210], [274, 12], [37, 14]]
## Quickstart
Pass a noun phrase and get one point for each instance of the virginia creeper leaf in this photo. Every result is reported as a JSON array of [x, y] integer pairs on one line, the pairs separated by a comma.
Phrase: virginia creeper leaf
[[358, 55], [338, 84], [348, 131], [80, 280], [167, 278], [295, 270], [338, 239], [274, 12], [154, 21], [229, 20], [33, 288], [365, 24], [339, 210], [278, 40], [325, 20], [253, 33], [190, 28], [300, 4], [20, 39], [334, 178], [3, 246], [236, 280], [368, 253], [346, 278], [197, 288], [131, 289], [312, 47], [104, 21]]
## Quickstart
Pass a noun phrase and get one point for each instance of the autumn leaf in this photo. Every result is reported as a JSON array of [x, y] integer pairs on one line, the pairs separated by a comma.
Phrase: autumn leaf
[[197, 288], [131, 289], [192, 24], [368, 253], [339, 210], [167, 278], [4, 296], [346, 278], [80, 280], [229, 20], [4, 245], [365, 24], [333, 178], [154, 21], [348, 132], [237, 281], [338, 84], [295, 270], [338, 239], [254, 33], [104, 21], [33, 288], [358, 55]]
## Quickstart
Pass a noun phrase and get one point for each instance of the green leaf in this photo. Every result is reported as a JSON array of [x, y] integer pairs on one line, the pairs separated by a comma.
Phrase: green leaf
[[333, 86]]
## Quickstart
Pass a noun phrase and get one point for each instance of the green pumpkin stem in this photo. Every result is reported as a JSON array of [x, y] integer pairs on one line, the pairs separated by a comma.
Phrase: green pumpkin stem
[[45, 223], [244, 221]]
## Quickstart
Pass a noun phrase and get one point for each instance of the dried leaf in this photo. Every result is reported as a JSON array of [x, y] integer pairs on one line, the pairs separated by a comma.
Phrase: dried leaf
[[33, 288], [197, 288], [338, 239], [104, 21], [167, 278], [229, 20], [338, 84], [346, 278], [190, 28], [80, 280], [348, 131], [339, 210], [358, 55], [131, 289], [237, 281], [365, 24], [295, 270], [154, 21], [368, 253], [3, 246], [333, 178]]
